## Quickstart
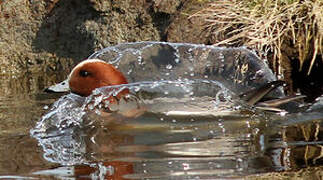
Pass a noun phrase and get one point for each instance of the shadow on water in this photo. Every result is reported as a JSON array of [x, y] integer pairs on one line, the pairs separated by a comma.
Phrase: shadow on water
[[72, 140], [59, 36]]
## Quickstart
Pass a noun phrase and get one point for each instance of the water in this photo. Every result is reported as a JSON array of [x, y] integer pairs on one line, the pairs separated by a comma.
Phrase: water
[[182, 128], [21, 106], [153, 145], [196, 140]]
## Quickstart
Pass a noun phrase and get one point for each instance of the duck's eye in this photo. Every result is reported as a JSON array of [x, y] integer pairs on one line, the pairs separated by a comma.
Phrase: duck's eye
[[84, 73]]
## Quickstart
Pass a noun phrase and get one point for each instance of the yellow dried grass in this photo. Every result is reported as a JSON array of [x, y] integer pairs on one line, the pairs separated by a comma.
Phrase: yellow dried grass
[[266, 24]]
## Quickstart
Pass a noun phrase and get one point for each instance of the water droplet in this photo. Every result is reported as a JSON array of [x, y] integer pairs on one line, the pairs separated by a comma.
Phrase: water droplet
[[283, 113], [97, 111], [137, 88], [221, 57], [248, 124], [90, 106], [186, 166], [256, 130], [280, 76], [129, 71]]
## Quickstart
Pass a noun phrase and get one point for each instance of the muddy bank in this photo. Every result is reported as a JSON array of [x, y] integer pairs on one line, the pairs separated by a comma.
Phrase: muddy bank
[[45, 36]]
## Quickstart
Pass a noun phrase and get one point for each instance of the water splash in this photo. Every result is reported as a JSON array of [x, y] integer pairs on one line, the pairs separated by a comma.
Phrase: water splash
[[155, 61], [180, 97], [64, 113], [169, 81]]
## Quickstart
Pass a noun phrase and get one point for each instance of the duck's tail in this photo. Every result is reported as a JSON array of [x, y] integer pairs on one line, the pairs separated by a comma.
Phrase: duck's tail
[[254, 97]]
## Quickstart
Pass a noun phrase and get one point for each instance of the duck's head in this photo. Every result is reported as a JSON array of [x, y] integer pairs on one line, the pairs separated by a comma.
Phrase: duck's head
[[89, 75]]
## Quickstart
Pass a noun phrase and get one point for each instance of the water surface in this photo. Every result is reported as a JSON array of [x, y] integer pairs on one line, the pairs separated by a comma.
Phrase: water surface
[[153, 145]]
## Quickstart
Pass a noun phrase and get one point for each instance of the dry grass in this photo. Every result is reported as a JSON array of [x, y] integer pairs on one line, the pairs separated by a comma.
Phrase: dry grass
[[267, 24]]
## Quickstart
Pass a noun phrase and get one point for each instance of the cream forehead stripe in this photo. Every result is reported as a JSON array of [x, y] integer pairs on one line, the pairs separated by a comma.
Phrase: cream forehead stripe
[[82, 63]]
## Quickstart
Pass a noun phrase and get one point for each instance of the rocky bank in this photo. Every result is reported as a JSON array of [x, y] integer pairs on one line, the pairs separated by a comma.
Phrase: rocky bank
[[48, 35]]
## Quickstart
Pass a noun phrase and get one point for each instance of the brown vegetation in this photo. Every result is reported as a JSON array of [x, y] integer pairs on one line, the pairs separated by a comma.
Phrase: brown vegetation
[[283, 30]]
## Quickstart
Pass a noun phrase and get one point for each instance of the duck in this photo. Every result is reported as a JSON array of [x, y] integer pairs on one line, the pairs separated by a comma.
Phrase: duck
[[91, 74]]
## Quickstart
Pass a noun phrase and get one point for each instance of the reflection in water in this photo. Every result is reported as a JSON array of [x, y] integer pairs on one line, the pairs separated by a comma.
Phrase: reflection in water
[[162, 148], [299, 143]]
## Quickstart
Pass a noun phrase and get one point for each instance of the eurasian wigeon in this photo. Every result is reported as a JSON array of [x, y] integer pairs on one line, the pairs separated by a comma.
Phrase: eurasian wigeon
[[95, 73]]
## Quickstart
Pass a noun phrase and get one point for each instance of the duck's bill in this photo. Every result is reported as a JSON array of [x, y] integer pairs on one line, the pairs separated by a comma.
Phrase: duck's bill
[[58, 88]]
